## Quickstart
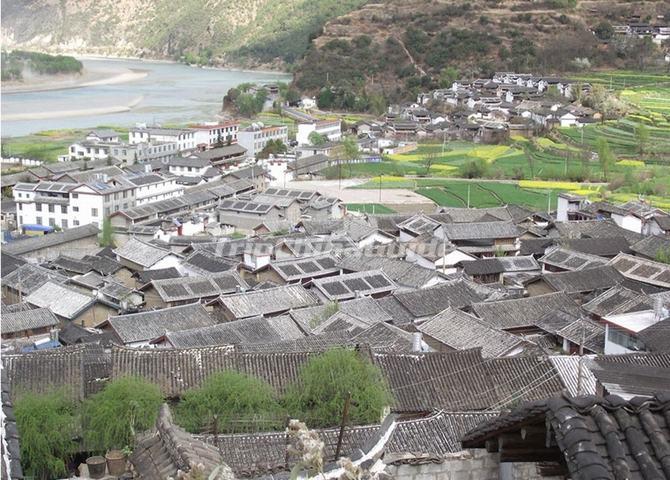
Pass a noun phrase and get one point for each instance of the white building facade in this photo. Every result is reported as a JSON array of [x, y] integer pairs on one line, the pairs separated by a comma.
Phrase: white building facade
[[256, 137]]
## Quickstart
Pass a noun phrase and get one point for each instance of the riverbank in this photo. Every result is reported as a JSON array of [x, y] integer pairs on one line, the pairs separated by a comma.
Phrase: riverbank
[[88, 78]]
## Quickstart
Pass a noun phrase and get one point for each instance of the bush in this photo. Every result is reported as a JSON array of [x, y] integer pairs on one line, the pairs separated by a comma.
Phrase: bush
[[474, 168], [46, 425], [112, 417], [324, 382], [230, 397]]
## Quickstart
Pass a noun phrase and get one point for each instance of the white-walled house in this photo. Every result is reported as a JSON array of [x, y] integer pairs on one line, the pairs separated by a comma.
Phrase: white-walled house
[[331, 129], [152, 187], [212, 133], [184, 137], [44, 203], [191, 166], [569, 206], [255, 137], [92, 202]]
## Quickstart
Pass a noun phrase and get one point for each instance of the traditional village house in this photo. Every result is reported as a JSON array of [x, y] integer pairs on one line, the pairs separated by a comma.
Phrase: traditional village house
[[138, 255], [268, 302]]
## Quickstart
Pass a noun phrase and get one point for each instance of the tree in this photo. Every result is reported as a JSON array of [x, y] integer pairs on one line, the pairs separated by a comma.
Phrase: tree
[[106, 236], [229, 398], [642, 136], [429, 159], [448, 76], [604, 30], [325, 381], [605, 156], [351, 152], [46, 425], [273, 147], [377, 103], [292, 96], [663, 255], [112, 417], [317, 139]]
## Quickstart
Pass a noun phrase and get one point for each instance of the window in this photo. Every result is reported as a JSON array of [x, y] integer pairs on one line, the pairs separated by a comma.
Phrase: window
[[75, 223], [52, 222], [18, 206], [38, 220], [75, 195], [125, 194], [107, 212], [116, 196], [94, 212], [51, 209], [75, 209], [63, 209], [64, 223]]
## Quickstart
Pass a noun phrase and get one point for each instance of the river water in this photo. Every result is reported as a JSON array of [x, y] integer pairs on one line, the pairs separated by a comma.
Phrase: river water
[[123, 93]]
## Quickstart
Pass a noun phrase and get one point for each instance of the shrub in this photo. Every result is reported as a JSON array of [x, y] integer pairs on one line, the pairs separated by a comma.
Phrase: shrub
[[46, 424], [476, 168], [320, 394], [112, 417], [229, 397]]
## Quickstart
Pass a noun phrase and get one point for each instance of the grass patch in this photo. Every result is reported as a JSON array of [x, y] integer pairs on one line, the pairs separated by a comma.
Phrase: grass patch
[[369, 208]]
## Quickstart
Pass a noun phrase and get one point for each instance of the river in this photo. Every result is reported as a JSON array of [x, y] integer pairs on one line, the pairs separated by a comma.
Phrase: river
[[123, 93]]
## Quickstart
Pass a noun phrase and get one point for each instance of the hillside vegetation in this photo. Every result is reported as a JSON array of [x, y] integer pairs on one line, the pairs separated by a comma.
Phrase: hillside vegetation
[[396, 48], [255, 32], [16, 63]]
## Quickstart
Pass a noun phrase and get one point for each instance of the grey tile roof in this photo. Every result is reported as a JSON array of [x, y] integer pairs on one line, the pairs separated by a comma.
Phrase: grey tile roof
[[147, 276], [578, 330], [438, 434], [584, 281], [633, 375], [350, 285], [599, 438], [401, 272], [292, 270], [247, 331], [195, 288], [383, 337], [430, 301], [141, 253], [651, 245], [28, 278], [268, 301], [207, 264], [480, 231], [594, 229], [471, 215], [459, 331], [63, 262], [168, 450], [617, 299], [642, 270], [16, 307], [488, 266], [146, 326], [312, 343], [568, 368], [523, 312], [9, 263], [63, 301], [28, 320], [657, 337], [598, 246], [571, 259], [22, 247]]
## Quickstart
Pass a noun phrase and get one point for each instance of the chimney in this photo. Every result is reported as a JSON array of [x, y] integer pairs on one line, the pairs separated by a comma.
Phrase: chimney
[[416, 342]]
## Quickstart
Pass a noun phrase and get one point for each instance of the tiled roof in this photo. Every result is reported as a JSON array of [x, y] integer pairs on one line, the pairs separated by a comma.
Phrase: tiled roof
[[28, 278], [145, 326], [22, 247], [642, 270], [63, 301], [207, 264], [28, 320], [351, 285], [268, 301], [597, 437], [571, 259], [594, 229], [471, 215], [195, 288], [168, 450], [141, 253], [147, 276], [633, 375], [650, 246], [580, 331], [431, 301], [480, 231], [246, 331], [306, 267], [583, 281], [400, 271], [598, 246], [523, 312], [618, 299], [459, 330]]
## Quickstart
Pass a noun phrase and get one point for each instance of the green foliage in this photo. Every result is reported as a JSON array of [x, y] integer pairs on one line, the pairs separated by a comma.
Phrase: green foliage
[[112, 417], [476, 168], [448, 76], [350, 149], [230, 398], [604, 30], [642, 136], [324, 382], [13, 64], [605, 157], [316, 139], [106, 236], [273, 147], [46, 425], [663, 255]]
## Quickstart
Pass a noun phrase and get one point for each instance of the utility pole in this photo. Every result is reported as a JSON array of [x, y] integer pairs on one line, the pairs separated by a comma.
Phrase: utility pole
[[549, 202], [468, 194], [380, 188], [444, 252], [581, 359], [345, 415]]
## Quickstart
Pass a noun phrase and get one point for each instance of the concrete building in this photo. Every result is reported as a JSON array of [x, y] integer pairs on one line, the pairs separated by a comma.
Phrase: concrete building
[[184, 137], [212, 133], [332, 129], [256, 137]]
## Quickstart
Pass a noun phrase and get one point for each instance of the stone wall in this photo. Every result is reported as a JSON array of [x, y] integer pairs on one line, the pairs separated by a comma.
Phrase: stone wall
[[466, 465]]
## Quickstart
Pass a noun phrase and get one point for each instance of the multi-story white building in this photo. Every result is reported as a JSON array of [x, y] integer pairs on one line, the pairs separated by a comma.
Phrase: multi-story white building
[[256, 137], [208, 134], [44, 203], [93, 201], [331, 129], [184, 137], [144, 152], [152, 187], [191, 166], [87, 149]]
